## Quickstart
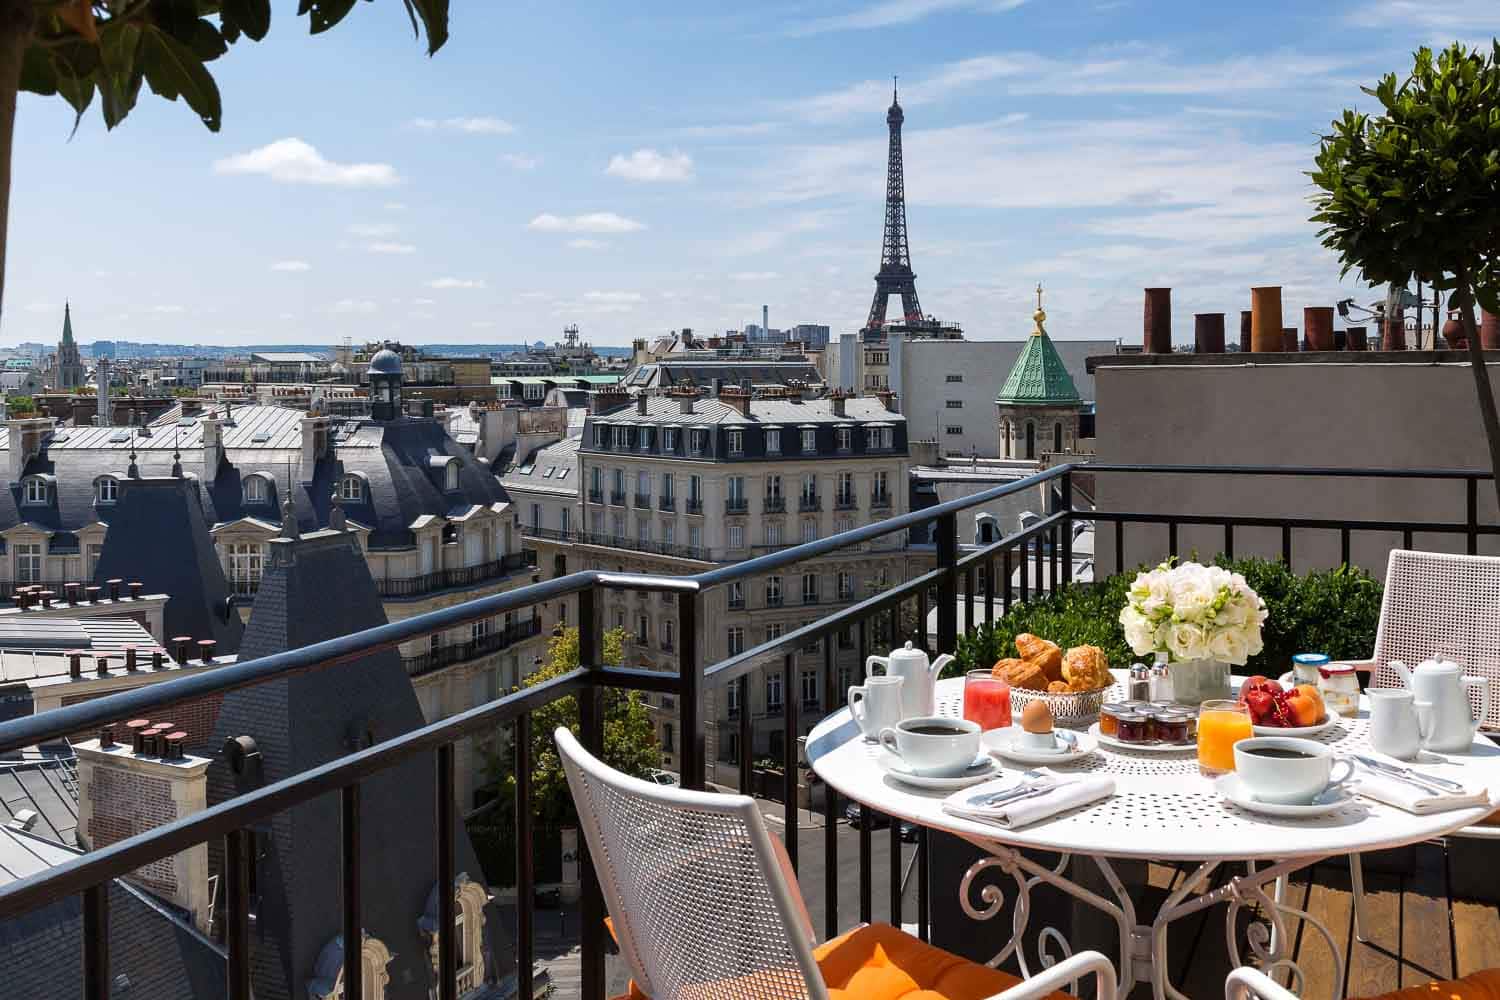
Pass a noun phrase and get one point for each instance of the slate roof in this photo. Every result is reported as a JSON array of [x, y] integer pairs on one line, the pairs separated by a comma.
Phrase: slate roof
[[287, 358], [558, 456], [47, 786], [661, 374], [153, 952], [159, 536], [308, 719], [394, 458], [783, 412], [1039, 376]]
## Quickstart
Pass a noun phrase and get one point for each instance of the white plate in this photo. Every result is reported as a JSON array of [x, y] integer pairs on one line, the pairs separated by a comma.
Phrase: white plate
[[1000, 742], [1233, 790], [1326, 724], [983, 768], [1156, 748]]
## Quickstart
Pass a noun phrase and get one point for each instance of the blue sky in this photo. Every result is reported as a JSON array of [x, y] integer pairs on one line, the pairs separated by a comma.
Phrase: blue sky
[[681, 164]]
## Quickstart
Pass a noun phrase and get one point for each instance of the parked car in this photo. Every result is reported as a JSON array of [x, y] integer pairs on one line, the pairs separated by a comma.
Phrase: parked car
[[854, 815], [657, 776]]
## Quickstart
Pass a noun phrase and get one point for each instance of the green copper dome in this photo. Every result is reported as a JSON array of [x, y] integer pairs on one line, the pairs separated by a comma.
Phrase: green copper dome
[[1039, 377]]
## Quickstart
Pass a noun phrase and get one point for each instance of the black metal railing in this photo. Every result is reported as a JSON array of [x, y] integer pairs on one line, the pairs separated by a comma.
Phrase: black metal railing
[[596, 496], [462, 652], [694, 507], [736, 505], [844, 501], [457, 576], [621, 542], [774, 505], [1042, 551], [643, 501], [617, 499], [666, 503], [809, 503]]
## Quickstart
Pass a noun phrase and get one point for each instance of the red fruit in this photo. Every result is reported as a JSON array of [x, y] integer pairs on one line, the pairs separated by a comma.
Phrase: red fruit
[[1259, 683], [1261, 703], [1281, 711]]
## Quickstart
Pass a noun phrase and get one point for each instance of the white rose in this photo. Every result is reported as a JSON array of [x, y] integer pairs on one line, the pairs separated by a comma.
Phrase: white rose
[[1187, 642], [1228, 646], [1139, 635]]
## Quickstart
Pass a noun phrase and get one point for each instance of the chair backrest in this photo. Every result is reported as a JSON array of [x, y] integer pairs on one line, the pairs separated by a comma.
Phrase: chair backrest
[[1441, 604], [699, 903]]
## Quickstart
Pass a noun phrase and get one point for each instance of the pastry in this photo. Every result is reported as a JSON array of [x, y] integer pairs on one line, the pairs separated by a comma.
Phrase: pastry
[[1043, 652], [1058, 687], [1085, 668], [1028, 675], [1002, 668]]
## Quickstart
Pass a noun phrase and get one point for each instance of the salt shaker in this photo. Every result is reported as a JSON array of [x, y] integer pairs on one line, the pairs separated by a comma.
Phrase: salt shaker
[[1139, 683], [1161, 683]]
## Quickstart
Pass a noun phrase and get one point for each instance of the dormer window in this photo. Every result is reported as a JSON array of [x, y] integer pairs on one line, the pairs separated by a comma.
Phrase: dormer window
[[351, 489], [36, 490], [809, 440], [257, 489], [106, 489], [450, 477], [773, 442]]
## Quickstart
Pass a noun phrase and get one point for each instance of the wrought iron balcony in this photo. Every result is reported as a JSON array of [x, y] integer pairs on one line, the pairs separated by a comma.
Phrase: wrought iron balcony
[[844, 501], [775, 505], [643, 501], [463, 652], [736, 505], [807, 504], [880, 501], [458, 576], [617, 499], [666, 503], [619, 542], [596, 496], [694, 506]]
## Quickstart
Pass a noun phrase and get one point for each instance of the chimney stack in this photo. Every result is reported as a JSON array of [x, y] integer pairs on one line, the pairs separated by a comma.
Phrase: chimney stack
[[314, 445], [1208, 333], [765, 322], [128, 788], [1317, 322], [1355, 337], [1394, 335], [1158, 314], [641, 402], [604, 400], [1265, 319], [736, 397], [888, 400], [101, 390], [839, 402], [213, 448], [685, 396]]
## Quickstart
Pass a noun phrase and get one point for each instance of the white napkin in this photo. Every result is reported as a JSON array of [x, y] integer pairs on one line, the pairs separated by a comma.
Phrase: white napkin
[[1395, 792], [1068, 793]]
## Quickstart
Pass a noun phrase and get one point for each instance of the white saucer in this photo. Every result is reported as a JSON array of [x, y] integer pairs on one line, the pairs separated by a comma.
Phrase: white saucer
[[1233, 790], [983, 768], [1002, 743], [1151, 748], [1325, 725]]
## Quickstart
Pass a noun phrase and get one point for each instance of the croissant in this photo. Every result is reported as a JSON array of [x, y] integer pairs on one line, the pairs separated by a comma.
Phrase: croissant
[[1085, 668], [1043, 652]]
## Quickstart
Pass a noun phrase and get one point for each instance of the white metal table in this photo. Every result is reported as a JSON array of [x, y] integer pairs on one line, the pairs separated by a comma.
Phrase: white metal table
[[1163, 810]]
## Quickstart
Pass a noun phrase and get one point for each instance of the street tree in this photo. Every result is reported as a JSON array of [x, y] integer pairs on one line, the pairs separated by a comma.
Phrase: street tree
[[1413, 191], [83, 50]]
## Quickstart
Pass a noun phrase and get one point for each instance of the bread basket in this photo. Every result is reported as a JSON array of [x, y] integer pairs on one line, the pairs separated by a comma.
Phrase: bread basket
[[1071, 709]]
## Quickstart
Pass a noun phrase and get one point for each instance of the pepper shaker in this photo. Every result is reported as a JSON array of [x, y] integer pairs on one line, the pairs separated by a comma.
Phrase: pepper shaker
[[1139, 683], [1161, 683]]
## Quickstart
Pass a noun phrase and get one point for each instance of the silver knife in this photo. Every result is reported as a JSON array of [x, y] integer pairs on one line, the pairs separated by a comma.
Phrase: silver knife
[[1420, 779], [1025, 789]]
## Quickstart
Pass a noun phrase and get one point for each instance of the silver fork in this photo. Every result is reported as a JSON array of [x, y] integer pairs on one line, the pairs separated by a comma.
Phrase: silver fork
[[1035, 784]]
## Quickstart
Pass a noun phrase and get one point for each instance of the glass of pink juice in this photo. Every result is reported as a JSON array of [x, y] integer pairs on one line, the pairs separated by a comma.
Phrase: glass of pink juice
[[986, 699]]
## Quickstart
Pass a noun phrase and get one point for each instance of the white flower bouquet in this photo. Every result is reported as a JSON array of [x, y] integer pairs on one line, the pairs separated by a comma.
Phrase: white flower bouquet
[[1193, 612]]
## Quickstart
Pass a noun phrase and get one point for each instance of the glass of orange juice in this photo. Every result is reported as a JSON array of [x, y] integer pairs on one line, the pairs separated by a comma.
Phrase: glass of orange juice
[[1221, 724]]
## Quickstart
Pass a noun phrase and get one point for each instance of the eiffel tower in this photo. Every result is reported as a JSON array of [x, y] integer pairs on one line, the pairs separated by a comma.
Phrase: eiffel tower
[[895, 276]]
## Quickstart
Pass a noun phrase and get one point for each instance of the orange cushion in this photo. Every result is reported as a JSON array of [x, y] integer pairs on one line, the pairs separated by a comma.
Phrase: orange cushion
[[879, 962], [1479, 986]]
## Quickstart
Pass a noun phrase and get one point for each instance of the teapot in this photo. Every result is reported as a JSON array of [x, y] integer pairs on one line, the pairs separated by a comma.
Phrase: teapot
[[918, 678], [1442, 684]]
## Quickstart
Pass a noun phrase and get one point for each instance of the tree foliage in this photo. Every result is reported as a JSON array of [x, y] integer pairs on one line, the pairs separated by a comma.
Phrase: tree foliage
[[630, 744], [81, 49]]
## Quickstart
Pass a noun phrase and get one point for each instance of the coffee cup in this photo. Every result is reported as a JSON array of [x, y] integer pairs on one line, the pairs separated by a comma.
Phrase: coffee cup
[[876, 704], [933, 745], [1286, 770]]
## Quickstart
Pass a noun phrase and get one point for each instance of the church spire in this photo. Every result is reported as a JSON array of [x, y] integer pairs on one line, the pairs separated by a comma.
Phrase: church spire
[[67, 337]]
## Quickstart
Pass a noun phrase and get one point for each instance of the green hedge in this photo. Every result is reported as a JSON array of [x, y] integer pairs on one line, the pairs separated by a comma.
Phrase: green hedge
[[1326, 611]]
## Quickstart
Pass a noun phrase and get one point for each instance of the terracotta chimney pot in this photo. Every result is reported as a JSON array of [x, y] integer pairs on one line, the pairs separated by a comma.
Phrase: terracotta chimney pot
[[1245, 326], [1158, 321], [1265, 319], [1289, 338], [1208, 333], [1356, 338], [1317, 321], [1489, 331]]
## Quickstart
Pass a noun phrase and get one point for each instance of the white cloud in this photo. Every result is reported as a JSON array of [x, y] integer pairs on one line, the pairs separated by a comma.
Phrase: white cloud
[[591, 222], [364, 306], [520, 161], [372, 230], [651, 165], [726, 131], [601, 303], [456, 283], [1465, 16], [587, 244], [894, 12], [754, 276], [473, 126], [170, 309], [384, 246], [292, 161], [291, 265]]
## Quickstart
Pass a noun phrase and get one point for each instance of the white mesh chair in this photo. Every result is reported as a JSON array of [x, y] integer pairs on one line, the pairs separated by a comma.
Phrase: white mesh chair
[[1436, 604], [1246, 983], [703, 903]]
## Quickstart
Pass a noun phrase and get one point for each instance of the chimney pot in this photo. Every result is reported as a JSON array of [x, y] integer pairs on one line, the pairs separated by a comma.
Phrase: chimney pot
[[106, 737], [1395, 334], [1265, 319], [130, 660], [47, 596], [1317, 322], [148, 744], [158, 659], [137, 729], [114, 588], [1208, 333], [182, 643], [1158, 317], [206, 650], [101, 666], [640, 403], [1289, 338], [71, 589], [92, 593], [174, 741], [75, 663], [135, 590]]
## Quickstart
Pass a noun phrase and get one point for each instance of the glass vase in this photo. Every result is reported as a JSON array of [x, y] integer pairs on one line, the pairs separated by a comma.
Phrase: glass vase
[[1197, 681]]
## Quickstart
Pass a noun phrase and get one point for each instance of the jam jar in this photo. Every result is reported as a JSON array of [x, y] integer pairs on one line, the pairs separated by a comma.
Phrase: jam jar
[[1109, 717], [1134, 727], [1173, 726]]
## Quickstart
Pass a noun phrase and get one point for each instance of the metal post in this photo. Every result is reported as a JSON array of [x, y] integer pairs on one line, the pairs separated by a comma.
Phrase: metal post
[[237, 913], [354, 967], [832, 698], [525, 874], [1067, 528], [790, 699], [1471, 489], [591, 727], [747, 736], [947, 557], [96, 942], [447, 913], [690, 701]]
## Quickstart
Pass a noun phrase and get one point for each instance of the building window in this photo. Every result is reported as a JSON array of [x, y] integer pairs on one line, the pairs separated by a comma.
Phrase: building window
[[773, 591], [596, 483], [669, 532], [643, 484], [450, 476], [480, 629], [809, 588], [773, 690], [809, 687], [246, 561], [773, 532], [846, 641], [352, 489], [698, 441], [643, 530], [773, 442], [618, 526], [642, 630], [666, 487], [618, 479], [773, 490], [845, 494], [809, 531], [881, 492], [669, 439], [598, 522], [736, 595], [954, 378], [92, 554], [620, 619], [736, 640], [736, 442], [666, 738], [736, 536], [845, 438], [668, 634], [28, 563], [256, 490], [646, 438], [106, 489], [843, 524], [1030, 440], [695, 489], [1057, 436], [846, 586], [600, 434], [773, 631], [953, 429], [695, 536], [809, 488], [1005, 436], [809, 440], [564, 516], [737, 490]]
